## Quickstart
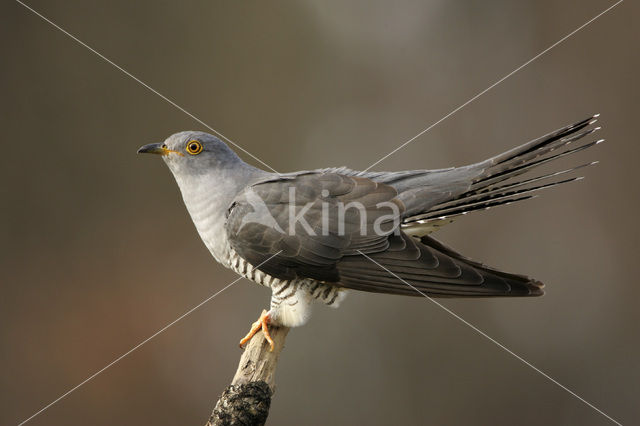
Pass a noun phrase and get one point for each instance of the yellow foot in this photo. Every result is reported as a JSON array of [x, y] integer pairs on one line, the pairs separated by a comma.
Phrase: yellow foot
[[261, 324]]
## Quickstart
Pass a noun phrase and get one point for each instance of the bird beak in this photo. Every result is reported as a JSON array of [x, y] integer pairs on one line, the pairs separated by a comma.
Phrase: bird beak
[[157, 148], [152, 148]]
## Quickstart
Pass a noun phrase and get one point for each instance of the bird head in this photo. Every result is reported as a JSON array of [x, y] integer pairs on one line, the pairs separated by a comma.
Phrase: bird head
[[192, 153]]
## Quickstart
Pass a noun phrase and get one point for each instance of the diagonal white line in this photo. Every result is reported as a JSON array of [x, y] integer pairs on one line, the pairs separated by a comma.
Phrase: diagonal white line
[[500, 345], [265, 164], [494, 85], [138, 346], [127, 353], [145, 85]]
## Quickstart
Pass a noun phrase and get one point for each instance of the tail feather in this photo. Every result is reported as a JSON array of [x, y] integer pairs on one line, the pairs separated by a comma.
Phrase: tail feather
[[484, 201], [537, 146], [460, 211], [492, 188], [495, 183], [498, 192], [523, 168]]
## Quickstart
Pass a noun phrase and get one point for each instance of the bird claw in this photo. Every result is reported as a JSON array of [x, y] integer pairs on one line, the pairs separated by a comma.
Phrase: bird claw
[[261, 324]]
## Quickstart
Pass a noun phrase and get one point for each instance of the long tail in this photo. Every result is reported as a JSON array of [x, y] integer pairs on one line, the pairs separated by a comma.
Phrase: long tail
[[495, 184]]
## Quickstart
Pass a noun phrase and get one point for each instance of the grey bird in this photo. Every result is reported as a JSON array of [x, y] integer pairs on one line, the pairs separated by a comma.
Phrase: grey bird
[[312, 235]]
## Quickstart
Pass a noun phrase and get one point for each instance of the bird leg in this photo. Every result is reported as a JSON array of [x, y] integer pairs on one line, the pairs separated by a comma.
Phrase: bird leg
[[261, 324]]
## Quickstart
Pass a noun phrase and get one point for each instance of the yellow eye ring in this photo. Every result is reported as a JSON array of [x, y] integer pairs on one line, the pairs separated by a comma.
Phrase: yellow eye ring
[[194, 147]]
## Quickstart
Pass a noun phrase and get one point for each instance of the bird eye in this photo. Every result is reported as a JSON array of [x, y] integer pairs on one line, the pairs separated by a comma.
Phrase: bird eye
[[194, 147]]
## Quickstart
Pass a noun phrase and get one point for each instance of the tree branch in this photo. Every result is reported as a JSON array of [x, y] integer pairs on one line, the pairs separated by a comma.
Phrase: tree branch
[[247, 399]]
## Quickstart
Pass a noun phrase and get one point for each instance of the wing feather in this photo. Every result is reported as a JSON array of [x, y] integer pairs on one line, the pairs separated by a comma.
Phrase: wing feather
[[258, 231], [262, 221]]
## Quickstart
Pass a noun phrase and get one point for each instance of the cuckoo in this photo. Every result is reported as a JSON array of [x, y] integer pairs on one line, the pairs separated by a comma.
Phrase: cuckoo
[[313, 235]]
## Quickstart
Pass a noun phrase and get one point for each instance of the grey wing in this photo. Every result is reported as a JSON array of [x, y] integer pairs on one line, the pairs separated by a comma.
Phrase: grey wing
[[259, 228], [295, 227], [424, 266]]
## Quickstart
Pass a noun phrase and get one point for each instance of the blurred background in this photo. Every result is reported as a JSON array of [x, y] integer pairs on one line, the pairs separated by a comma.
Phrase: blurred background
[[98, 252]]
